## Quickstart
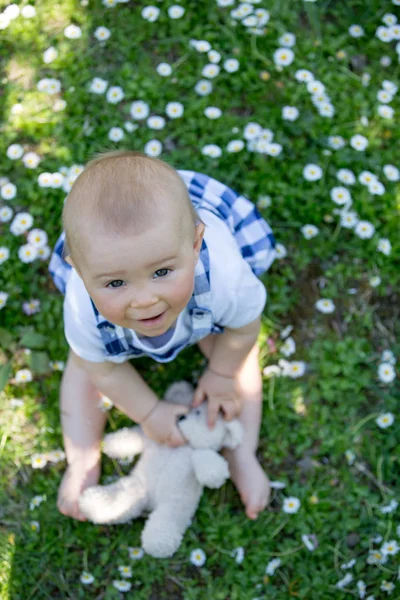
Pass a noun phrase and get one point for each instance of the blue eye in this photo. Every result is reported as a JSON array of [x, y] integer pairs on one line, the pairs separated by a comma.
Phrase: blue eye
[[164, 271], [120, 281]]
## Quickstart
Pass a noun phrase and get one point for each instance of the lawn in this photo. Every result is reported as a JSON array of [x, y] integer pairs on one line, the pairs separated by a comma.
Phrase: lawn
[[295, 105]]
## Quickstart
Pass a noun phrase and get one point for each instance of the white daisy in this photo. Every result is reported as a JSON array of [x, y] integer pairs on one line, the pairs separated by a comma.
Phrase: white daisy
[[176, 11], [115, 94], [235, 146], [356, 31], [384, 246], [86, 578], [385, 111], [293, 369], [203, 87], [288, 347], [312, 172], [135, 553], [211, 150], [340, 195], [336, 142], [105, 403], [125, 571], [390, 548], [122, 586], [50, 55], [290, 113], [391, 172], [283, 57], [348, 219], [27, 253], [325, 305], [358, 142], [164, 69], [212, 112], [280, 250], [153, 148], [231, 65], [139, 110], [174, 110], [98, 85], [210, 71], [156, 122], [37, 237], [272, 566], [8, 191], [150, 13], [288, 40], [6, 214], [4, 254], [388, 356], [364, 229], [72, 32], [38, 461], [3, 299], [15, 151], [291, 505], [346, 176], [309, 231], [198, 557], [303, 75], [386, 372], [102, 34], [116, 134]]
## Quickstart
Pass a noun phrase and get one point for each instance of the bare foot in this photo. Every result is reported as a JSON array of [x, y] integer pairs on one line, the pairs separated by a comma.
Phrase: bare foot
[[76, 479], [249, 479]]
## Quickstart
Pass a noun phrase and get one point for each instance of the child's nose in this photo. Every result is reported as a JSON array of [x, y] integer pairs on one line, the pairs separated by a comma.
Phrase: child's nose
[[143, 299]]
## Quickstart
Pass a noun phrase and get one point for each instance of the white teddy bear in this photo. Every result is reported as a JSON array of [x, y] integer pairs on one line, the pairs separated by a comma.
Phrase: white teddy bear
[[168, 482]]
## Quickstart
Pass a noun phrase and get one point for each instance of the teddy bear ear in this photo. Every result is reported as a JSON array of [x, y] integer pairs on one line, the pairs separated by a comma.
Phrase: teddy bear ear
[[233, 434], [180, 392]]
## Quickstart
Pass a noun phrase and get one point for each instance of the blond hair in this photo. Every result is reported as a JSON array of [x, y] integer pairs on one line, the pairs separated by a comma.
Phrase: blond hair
[[123, 190]]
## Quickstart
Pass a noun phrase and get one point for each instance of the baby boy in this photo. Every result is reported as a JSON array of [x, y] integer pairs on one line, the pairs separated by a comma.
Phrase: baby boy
[[151, 261]]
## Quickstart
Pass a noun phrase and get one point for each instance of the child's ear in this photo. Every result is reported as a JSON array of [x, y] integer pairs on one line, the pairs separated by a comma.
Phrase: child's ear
[[200, 227]]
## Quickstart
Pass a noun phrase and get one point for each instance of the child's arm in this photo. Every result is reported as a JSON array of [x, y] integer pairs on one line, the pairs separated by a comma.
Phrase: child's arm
[[218, 383], [128, 390], [232, 347]]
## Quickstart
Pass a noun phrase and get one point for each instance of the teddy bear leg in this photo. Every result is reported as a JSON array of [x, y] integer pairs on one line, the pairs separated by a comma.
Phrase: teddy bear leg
[[165, 527], [116, 503]]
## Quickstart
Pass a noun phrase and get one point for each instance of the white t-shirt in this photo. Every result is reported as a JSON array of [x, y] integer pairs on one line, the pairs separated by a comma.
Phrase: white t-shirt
[[237, 298]]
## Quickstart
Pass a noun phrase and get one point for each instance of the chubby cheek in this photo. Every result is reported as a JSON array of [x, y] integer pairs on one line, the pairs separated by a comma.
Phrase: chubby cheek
[[181, 292], [110, 306]]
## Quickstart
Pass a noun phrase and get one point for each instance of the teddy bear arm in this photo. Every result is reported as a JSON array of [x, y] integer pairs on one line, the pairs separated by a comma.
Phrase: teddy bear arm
[[128, 441], [210, 468]]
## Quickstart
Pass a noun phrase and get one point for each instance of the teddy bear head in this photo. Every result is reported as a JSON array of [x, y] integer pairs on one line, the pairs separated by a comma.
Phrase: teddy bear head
[[195, 429]]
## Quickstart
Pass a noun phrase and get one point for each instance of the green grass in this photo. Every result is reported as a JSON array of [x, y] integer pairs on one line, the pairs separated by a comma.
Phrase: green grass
[[309, 423]]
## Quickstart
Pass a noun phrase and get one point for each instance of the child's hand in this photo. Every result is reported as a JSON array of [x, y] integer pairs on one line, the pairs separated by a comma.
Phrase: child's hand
[[160, 425], [221, 392]]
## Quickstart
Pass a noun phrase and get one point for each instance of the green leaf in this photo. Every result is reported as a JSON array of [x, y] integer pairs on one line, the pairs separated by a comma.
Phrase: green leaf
[[33, 340], [5, 372], [6, 338], [40, 362]]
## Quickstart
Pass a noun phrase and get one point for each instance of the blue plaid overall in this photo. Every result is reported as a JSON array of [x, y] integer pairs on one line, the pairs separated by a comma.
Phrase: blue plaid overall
[[254, 239]]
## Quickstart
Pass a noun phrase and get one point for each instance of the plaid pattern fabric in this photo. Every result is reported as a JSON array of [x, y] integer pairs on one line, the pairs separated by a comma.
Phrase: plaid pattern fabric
[[252, 234], [59, 269]]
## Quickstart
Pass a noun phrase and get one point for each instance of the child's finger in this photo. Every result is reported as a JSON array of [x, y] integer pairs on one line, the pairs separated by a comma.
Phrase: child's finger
[[212, 414], [230, 410], [198, 397]]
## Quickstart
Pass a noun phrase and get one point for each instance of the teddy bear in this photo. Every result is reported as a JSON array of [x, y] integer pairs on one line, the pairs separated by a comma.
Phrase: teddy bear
[[166, 482]]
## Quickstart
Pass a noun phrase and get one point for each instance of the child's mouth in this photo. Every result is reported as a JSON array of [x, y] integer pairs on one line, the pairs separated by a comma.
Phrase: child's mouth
[[152, 320]]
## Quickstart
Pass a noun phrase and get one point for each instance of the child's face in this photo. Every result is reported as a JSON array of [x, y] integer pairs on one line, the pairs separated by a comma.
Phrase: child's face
[[138, 277]]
